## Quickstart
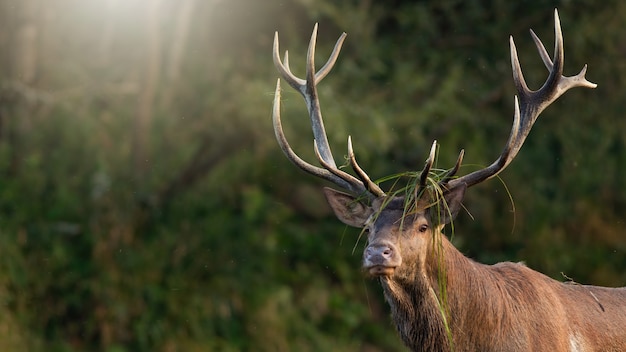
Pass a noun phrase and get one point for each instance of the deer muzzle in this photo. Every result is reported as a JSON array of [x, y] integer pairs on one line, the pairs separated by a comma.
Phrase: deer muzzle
[[381, 259]]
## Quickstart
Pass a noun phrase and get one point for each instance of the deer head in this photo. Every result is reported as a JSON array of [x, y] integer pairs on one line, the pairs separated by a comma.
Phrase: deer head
[[401, 228], [398, 229]]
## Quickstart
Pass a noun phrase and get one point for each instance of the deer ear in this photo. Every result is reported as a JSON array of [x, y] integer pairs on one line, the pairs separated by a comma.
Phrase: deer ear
[[347, 208], [448, 210]]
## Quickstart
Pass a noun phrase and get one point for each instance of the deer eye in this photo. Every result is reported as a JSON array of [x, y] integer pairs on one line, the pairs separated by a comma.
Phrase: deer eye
[[423, 228]]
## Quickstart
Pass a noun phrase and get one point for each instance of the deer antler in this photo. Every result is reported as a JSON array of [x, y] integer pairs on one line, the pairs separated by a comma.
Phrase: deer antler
[[308, 88], [529, 104]]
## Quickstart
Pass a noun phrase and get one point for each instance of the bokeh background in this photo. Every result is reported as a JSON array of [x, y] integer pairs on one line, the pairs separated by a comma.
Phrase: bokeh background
[[145, 204]]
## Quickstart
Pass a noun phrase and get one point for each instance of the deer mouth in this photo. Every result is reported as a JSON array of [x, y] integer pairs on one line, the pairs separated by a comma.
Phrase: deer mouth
[[381, 270]]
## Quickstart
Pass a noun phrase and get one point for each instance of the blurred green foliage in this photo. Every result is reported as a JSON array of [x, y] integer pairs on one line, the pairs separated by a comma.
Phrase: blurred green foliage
[[145, 205]]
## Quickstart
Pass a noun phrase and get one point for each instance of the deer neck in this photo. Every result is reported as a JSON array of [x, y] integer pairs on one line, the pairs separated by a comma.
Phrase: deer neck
[[426, 306]]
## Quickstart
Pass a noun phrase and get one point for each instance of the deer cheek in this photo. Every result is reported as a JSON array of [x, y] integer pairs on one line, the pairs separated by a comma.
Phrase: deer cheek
[[414, 249]]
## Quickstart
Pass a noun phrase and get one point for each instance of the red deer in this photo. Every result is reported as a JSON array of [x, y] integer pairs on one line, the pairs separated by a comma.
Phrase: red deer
[[440, 300]]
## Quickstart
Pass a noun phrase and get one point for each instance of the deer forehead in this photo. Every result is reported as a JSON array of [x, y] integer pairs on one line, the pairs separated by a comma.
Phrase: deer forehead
[[394, 214]]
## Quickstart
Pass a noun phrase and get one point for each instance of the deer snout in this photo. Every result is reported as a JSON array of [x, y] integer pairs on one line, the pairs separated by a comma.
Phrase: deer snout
[[381, 259]]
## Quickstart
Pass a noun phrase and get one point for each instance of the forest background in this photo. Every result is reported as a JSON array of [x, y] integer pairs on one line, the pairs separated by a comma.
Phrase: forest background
[[145, 204]]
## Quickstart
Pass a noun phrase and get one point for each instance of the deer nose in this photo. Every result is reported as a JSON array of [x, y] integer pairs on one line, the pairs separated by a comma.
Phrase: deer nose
[[380, 254], [384, 251]]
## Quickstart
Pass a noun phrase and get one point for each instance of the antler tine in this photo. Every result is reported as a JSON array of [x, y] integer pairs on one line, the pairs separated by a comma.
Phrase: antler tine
[[328, 66], [369, 185], [428, 166], [348, 181], [450, 174], [286, 62], [284, 70], [308, 89], [545, 57], [530, 103]]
